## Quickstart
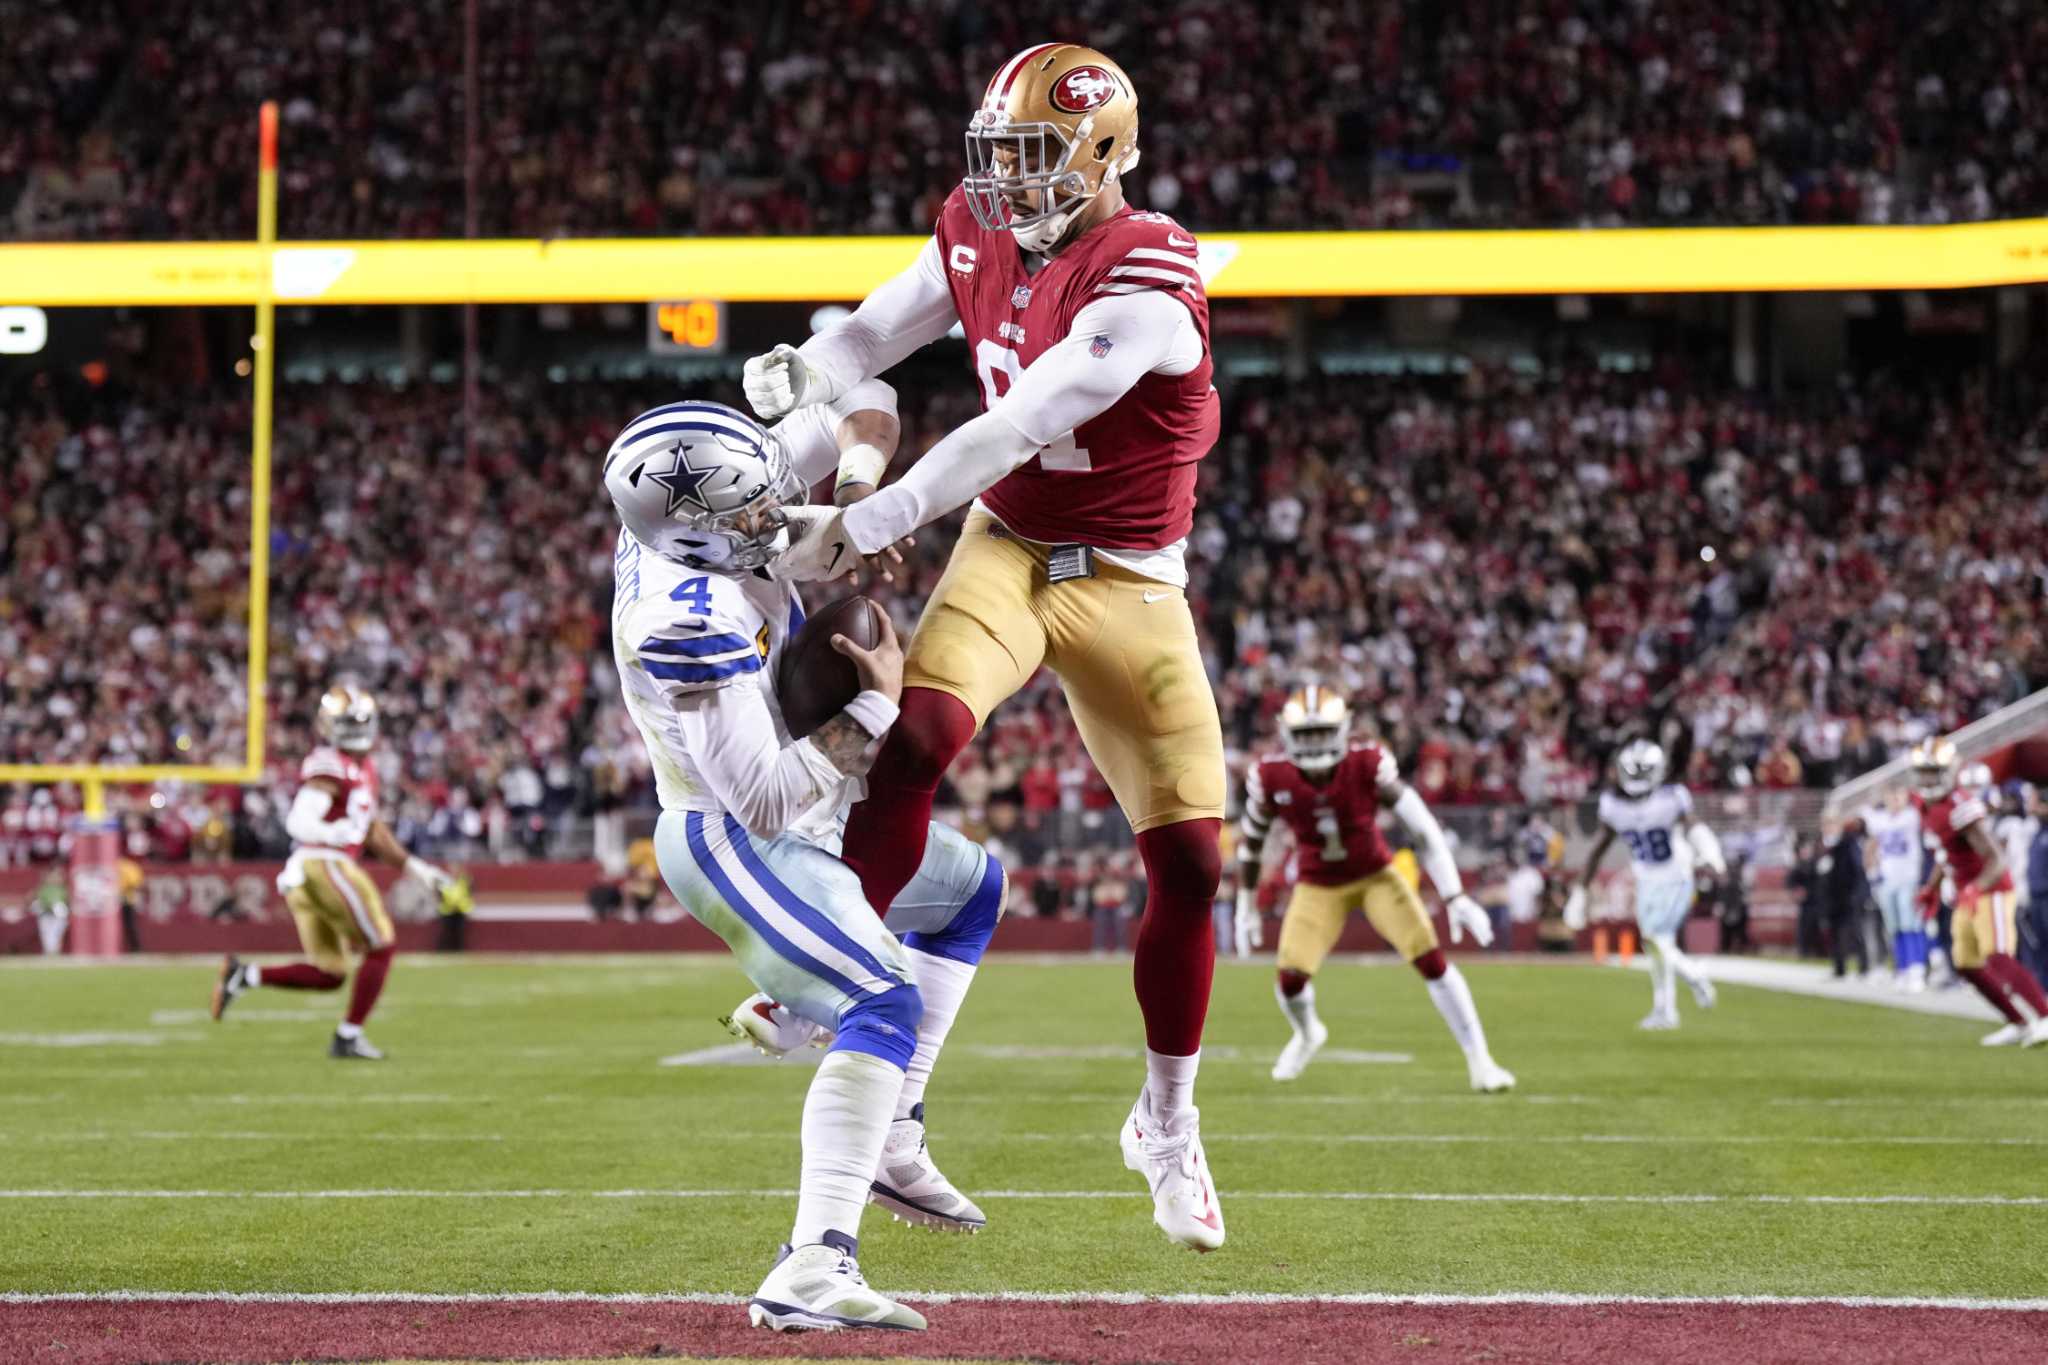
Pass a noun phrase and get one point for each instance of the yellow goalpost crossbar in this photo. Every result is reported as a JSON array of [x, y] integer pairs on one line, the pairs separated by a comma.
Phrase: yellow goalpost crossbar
[[96, 777]]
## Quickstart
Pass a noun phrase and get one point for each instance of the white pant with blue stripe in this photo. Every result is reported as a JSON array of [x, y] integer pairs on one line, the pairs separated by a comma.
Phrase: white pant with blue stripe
[[1662, 903], [801, 926]]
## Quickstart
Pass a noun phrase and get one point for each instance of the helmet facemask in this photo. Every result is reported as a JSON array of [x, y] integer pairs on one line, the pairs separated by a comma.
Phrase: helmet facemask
[[1934, 770], [348, 719], [1640, 768], [754, 535], [1316, 748], [1030, 179]]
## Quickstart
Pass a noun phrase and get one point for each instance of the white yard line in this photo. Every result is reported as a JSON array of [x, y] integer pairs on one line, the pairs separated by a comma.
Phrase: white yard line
[[1819, 982], [1481, 1139], [1335, 1196], [1537, 1298], [173, 1135]]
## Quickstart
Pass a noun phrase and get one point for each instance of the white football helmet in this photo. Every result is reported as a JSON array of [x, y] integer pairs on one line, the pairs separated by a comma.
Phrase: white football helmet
[[347, 718], [1315, 728], [1936, 767], [704, 485], [1639, 767]]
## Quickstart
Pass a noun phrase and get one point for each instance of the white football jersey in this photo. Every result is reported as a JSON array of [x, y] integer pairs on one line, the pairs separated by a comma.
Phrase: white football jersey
[[677, 630], [1653, 827], [1896, 836]]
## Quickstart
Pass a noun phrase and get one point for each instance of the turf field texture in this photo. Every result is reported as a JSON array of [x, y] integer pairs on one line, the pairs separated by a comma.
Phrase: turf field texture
[[576, 1126]]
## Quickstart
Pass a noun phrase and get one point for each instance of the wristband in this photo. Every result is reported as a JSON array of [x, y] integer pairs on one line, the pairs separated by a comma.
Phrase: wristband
[[862, 464], [872, 712]]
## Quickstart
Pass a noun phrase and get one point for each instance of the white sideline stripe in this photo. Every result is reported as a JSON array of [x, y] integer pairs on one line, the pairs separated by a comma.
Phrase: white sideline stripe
[[1540, 1298], [173, 1135], [1339, 1196], [1486, 1139]]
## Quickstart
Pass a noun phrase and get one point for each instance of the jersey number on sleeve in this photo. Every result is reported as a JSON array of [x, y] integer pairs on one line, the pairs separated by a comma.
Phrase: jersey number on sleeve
[[1333, 836], [694, 593], [992, 359]]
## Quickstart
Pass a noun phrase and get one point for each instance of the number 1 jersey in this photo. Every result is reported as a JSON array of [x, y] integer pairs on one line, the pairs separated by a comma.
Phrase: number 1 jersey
[[1126, 479]]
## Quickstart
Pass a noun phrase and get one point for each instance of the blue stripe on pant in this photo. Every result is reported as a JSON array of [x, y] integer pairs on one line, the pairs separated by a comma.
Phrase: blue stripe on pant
[[950, 908], [1662, 905], [795, 918]]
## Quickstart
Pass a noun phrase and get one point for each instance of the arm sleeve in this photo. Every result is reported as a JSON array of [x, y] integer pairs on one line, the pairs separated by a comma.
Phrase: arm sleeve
[[307, 820], [1708, 849], [1114, 342], [1256, 822], [1432, 849], [902, 314], [731, 737], [811, 435]]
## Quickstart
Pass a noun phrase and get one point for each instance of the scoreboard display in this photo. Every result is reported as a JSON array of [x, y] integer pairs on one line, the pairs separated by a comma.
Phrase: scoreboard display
[[686, 327]]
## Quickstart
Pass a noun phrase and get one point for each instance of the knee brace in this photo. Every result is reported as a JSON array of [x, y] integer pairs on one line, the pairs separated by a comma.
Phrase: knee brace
[[966, 937], [883, 1026]]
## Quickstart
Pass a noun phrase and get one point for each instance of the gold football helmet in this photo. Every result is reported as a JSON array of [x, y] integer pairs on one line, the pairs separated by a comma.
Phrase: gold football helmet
[[348, 718], [1935, 765], [1315, 728], [1057, 124]]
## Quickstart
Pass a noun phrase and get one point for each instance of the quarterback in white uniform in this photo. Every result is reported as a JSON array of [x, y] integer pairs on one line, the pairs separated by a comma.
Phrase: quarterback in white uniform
[[1665, 842], [751, 819]]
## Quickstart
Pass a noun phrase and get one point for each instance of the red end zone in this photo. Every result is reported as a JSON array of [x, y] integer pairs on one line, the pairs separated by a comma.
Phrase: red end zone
[[107, 1332]]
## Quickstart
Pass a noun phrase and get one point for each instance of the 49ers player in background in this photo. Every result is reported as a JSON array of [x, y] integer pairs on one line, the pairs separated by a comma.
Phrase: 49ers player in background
[[1329, 795], [341, 918], [1088, 330], [1983, 927]]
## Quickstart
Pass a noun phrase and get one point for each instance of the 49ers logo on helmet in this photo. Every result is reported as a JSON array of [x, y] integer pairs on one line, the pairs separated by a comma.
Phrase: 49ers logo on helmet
[[1084, 88]]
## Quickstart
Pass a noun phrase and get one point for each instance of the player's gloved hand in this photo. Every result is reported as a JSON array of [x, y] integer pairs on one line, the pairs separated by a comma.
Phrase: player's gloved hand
[[1470, 916], [425, 871], [1249, 927], [781, 381], [1575, 909], [821, 550], [1928, 898]]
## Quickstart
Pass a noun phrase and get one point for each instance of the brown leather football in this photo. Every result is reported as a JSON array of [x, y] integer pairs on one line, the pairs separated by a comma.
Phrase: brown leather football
[[815, 681]]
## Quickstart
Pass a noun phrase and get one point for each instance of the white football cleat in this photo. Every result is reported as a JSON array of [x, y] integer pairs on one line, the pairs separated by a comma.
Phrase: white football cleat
[[773, 1029], [1703, 993], [1300, 1051], [1174, 1166], [1490, 1077], [818, 1288], [1659, 1020], [910, 1185], [2008, 1036]]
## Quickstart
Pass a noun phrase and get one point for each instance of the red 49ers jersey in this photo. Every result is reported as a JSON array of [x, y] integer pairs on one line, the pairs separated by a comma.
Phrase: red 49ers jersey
[[1337, 837], [356, 805], [1126, 480], [1946, 820]]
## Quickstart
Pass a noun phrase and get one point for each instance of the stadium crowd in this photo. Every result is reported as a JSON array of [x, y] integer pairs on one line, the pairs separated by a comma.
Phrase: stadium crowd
[[794, 116], [1506, 573]]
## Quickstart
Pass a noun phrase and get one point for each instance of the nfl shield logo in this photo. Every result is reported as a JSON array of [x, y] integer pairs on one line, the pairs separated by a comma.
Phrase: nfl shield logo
[[1100, 347], [1020, 297]]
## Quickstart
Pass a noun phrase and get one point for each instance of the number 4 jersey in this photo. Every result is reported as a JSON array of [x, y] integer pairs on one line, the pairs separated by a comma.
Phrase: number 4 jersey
[[1337, 837], [1125, 480], [1653, 827]]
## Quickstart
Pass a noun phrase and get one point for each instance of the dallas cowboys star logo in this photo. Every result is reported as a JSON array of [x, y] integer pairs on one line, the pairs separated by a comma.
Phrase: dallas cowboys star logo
[[684, 481]]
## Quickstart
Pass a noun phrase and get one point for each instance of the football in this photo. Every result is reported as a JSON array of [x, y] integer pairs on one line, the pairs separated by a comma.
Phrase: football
[[815, 681]]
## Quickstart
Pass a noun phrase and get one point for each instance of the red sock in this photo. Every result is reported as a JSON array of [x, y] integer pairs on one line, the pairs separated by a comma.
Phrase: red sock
[[299, 976], [1176, 949], [1431, 964], [885, 833], [2012, 974], [1993, 990], [369, 985], [1292, 982]]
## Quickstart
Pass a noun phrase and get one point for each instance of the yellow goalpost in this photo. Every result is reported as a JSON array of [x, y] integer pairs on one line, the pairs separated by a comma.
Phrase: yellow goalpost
[[95, 900]]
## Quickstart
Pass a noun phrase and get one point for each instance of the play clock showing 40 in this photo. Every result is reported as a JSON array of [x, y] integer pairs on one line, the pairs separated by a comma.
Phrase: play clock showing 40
[[689, 327]]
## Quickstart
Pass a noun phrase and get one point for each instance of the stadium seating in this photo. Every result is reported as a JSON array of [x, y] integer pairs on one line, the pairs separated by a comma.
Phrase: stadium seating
[[636, 118]]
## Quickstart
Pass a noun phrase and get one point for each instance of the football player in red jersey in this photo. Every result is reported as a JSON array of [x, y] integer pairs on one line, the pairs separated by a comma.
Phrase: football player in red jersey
[[1088, 329], [341, 917], [1983, 928], [1329, 795]]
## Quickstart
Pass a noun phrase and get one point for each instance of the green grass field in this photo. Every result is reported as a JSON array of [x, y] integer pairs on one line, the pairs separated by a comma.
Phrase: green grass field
[[543, 1077]]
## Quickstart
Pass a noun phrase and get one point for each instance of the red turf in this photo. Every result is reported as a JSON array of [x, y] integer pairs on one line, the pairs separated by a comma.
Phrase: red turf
[[91, 1332]]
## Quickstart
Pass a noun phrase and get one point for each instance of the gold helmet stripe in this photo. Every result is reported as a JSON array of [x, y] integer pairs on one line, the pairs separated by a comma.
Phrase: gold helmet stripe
[[1005, 78]]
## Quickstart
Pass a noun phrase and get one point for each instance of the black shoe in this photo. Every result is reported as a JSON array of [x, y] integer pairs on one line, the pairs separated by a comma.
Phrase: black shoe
[[228, 986], [358, 1048]]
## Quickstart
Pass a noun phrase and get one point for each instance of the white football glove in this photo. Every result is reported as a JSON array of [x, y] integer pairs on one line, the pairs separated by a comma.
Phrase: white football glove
[[1575, 909], [782, 381], [819, 547], [425, 871], [1250, 926], [1469, 916]]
